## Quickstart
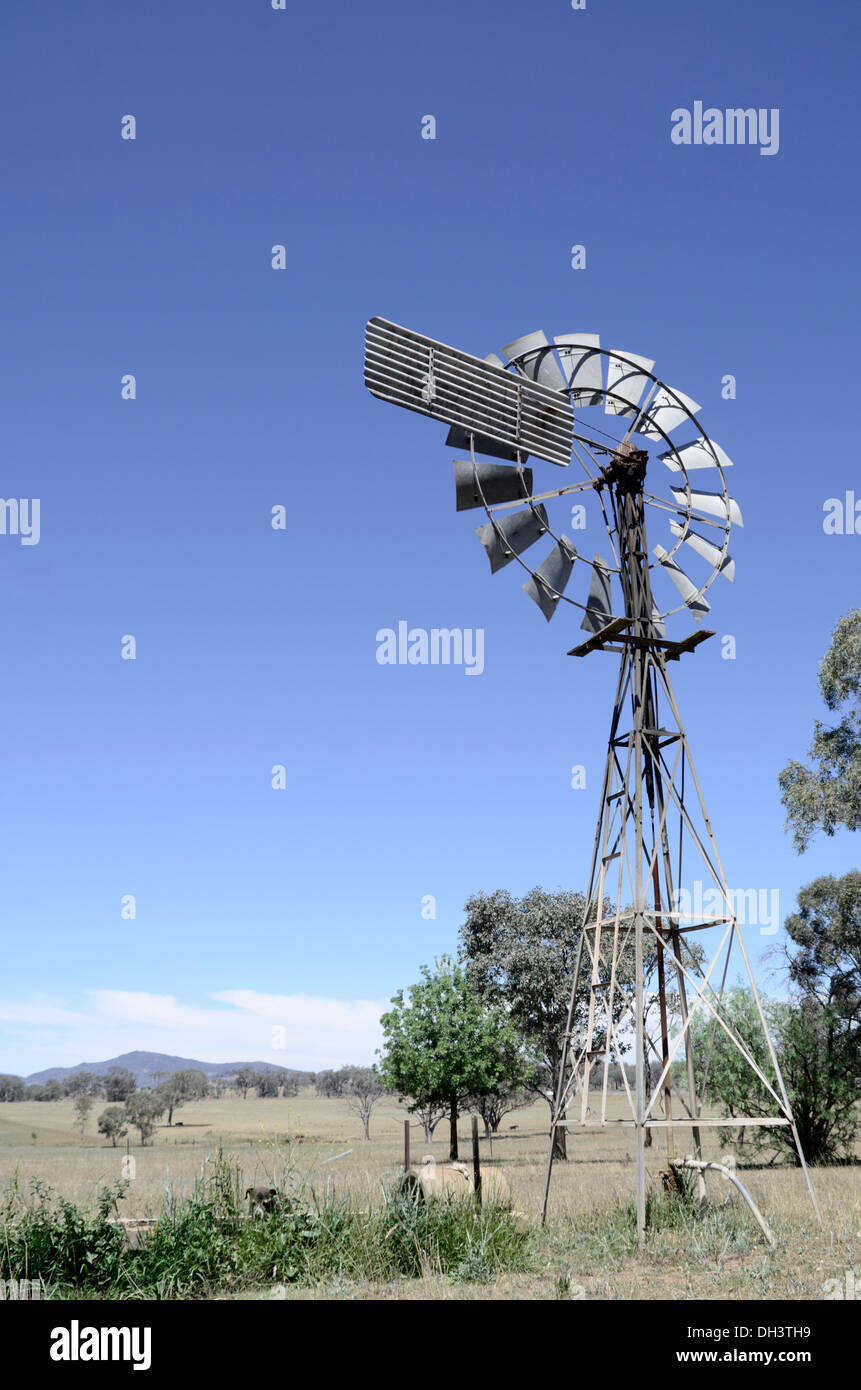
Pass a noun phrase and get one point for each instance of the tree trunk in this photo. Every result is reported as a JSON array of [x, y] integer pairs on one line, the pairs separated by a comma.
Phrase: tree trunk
[[560, 1145], [452, 1118], [366, 1120], [488, 1129]]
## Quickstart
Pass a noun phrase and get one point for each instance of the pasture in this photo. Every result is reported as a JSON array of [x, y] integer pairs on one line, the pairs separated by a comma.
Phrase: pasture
[[587, 1250]]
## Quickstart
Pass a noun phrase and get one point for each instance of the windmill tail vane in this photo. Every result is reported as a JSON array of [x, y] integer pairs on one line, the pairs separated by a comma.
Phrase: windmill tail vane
[[638, 981]]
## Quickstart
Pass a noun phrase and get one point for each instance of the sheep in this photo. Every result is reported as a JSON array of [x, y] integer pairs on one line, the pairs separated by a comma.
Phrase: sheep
[[454, 1180]]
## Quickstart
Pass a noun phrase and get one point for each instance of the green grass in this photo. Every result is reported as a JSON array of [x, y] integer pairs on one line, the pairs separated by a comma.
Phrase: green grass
[[201, 1245]]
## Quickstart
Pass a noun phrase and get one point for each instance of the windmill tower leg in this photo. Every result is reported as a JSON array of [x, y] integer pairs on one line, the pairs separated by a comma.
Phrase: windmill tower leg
[[639, 909], [657, 678], [601, 855], [648, 821]]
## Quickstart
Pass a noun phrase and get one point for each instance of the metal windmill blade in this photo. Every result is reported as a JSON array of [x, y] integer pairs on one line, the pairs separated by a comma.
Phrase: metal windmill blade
[[724, 564], [628, 377], [432, 379], [599, 607], [490, 483], [657, 621], [696, 454], [533, 356], [459, 438], [712, 503], [665, 412], [511, 535], [689, 591], [547, 584], [580, 356]]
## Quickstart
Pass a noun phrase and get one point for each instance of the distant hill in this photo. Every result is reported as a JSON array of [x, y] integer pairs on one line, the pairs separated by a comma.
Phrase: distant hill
[[144, 1065]]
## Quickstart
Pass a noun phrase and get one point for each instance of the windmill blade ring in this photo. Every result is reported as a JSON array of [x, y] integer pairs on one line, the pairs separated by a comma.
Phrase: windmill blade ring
[[655, 412]]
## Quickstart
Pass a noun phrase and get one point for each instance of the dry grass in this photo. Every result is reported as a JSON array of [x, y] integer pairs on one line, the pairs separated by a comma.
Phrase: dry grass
[[586, 1250]]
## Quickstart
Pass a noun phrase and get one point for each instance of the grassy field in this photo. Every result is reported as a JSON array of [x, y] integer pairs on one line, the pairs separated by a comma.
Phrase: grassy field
[[587, 1249]]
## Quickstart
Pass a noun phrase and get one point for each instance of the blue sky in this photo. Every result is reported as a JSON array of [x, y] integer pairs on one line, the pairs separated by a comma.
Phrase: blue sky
[[302, 907]]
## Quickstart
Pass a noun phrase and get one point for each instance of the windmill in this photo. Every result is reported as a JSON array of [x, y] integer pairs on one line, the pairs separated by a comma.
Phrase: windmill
[[643, 458]]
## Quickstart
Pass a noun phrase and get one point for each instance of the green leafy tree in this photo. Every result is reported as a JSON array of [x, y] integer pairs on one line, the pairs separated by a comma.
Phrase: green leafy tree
[[827, 794], [83, 1106], [266, 1085], [112, 1123], [823, 951], [520, 954], [818, 1059], [182, 1086], [730, 1080], [329, 1083], [11, 1087], [244, 1080], [822, 958], [118, 1083], [287, 1082], [144, 1109], [816, 1033], [445, 1043], [81, 1083]]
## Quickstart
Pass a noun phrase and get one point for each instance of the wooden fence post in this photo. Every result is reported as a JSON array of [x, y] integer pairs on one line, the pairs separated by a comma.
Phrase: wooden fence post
[[406, 1146], [476, 1161]]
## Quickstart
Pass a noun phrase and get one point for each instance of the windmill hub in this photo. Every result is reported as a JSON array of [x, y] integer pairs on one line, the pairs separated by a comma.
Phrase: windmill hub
[[626, 471]]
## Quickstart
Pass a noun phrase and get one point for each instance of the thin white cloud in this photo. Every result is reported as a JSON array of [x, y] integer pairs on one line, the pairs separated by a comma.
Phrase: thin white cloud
[[41, 1011], [301, 1031]]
